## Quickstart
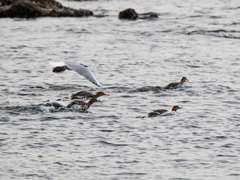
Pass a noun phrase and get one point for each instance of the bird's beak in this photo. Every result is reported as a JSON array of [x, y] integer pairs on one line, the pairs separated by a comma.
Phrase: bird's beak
[[106, 94], [180, 107], [98, 101], [85, 65], [187, 80]]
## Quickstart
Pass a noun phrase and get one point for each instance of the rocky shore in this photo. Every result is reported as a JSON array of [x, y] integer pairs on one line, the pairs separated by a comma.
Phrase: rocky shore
[[52, 8], [39, 8]]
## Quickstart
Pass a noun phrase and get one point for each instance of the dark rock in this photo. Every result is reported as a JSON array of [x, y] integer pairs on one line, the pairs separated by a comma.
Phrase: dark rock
[[7, 2], [128, 14], [47, 4], [131, 14], [38, 8], [149, 15]]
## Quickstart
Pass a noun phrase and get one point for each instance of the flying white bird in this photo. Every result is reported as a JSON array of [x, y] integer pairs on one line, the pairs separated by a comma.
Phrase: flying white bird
[[75, 66]]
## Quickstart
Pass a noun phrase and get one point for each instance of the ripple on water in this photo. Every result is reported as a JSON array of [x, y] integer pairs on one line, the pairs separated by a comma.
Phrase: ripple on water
[[111, 144]]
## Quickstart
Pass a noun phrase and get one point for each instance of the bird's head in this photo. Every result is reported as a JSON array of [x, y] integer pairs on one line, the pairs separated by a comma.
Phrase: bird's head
[[101, 94], [184, 79], [175, 108]]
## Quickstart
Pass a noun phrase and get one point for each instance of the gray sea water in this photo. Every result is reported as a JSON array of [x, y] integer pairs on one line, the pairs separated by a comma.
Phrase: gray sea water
[[133, 60]]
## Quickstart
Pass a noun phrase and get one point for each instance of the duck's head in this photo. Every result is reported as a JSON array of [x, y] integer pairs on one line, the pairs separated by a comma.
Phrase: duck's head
[[101, 94], [184, 79], [175, 108], [93, 101]]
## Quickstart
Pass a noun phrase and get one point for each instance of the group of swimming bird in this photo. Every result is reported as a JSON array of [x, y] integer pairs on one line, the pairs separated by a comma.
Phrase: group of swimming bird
[[84, 95], [81, 69]]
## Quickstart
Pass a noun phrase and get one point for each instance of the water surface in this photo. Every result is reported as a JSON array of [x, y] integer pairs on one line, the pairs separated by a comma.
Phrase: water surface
[[133, 60]]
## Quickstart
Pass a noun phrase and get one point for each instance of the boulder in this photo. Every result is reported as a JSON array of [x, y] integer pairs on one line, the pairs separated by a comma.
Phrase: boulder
[[128, 14]]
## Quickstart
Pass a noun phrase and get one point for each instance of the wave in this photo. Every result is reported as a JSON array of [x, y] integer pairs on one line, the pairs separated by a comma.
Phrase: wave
[[217, 33]]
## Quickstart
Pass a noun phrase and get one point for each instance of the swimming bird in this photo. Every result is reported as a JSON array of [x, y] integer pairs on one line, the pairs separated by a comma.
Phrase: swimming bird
[[75, 66], [84, 95], [83, 105], [176, 84], [161, 111]]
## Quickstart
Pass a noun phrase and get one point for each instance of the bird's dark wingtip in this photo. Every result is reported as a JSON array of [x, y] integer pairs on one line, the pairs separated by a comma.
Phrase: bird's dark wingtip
[[97, 84]]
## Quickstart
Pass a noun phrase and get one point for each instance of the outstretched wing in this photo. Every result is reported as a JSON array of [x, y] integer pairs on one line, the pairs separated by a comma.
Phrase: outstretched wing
[[82, 71], [56, 64]]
